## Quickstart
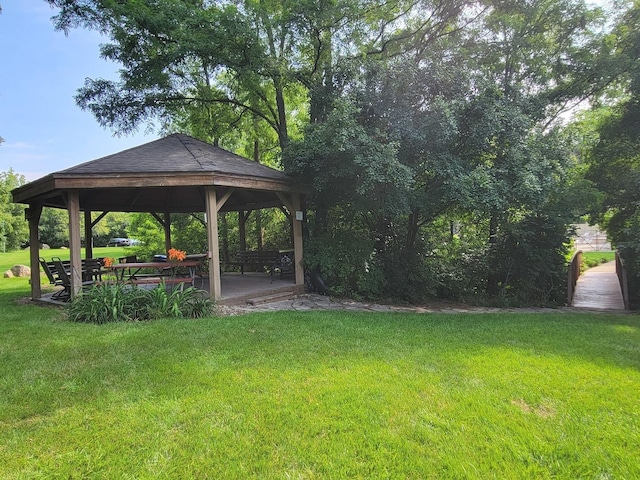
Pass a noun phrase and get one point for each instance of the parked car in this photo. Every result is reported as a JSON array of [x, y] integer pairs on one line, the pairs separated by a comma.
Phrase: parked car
[[119, 242]]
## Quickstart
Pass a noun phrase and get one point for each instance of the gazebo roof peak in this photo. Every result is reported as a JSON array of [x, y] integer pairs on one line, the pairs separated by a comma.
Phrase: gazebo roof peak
[[176, 153]]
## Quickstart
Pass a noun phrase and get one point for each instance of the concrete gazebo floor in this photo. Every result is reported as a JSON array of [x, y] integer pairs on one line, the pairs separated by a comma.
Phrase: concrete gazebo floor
[[237, 289]]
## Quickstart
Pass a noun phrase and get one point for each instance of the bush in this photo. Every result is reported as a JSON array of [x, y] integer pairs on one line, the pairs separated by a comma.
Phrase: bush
[[343, 256], [125, 303]]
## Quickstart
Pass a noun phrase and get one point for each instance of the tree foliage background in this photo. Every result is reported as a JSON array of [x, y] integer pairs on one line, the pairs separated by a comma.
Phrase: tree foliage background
[[433, 134]]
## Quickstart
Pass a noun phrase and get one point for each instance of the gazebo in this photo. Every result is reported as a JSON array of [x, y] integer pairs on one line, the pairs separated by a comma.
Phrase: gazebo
[[174, 174]]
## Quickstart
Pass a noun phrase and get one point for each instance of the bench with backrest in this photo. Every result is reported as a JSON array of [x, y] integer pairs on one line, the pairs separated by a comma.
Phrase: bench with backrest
[[256, 259], [53, 277], [62, 272], [91, 267]]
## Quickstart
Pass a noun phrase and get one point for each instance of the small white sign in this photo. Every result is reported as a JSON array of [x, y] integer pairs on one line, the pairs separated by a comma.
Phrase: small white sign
[[299, 215]]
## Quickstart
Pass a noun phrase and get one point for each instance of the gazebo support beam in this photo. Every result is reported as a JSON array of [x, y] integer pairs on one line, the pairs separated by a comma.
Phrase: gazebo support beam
[[215, 287], [100, 217], [167, 232], [73, 206], [297, 240], [88, 235], [33, 214]]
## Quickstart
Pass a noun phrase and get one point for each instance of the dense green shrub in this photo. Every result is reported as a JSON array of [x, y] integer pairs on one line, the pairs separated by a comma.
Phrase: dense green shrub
[[530, 261], [121, 303], [344, 258]]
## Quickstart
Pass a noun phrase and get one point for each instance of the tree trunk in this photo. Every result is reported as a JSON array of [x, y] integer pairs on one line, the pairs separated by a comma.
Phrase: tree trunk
[[493, 276], [412, 229]]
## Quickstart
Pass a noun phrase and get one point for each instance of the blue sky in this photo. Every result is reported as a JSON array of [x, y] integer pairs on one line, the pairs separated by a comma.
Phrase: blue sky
[[40, 72]]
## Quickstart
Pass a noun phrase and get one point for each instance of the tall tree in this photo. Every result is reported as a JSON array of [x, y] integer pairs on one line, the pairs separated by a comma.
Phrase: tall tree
[[247, 55], [530, 56]]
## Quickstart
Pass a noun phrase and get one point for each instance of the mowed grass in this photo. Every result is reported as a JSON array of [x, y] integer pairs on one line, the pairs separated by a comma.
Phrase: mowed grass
[[318, 395], [8, 260], [591, 259]]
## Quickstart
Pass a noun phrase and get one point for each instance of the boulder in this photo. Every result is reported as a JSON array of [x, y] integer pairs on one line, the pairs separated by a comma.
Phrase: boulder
[[21, 271]]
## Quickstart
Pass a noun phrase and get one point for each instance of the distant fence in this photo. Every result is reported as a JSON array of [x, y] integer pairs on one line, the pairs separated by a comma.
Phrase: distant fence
[[573, 275], [621, 271]]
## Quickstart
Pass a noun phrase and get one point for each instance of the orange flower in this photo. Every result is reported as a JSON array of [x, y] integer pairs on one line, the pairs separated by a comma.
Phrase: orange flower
[[175, 254], [107, 262]]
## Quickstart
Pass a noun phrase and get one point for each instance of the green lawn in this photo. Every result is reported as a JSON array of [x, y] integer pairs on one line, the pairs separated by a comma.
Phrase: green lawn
[[591, 259], [318, 395], [8, 260]]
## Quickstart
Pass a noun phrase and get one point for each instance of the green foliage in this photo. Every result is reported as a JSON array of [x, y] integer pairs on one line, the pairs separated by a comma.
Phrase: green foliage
[[53, 228], [529, 261], [178, 302], [14, 229], [348, 165], [107, 303], [113, 225], [343, 255], [124, 303], [147, 229], [188, 232]]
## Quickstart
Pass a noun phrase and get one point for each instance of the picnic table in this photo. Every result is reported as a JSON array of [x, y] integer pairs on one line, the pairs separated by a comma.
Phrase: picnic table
[[167, 272]]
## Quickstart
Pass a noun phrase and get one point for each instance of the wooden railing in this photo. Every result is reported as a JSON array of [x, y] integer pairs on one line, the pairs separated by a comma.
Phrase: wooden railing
[[621, 271], [573, 274]]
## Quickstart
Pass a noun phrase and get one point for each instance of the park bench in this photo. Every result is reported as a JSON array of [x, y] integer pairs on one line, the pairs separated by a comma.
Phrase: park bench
[[256, 260], [270, 261]]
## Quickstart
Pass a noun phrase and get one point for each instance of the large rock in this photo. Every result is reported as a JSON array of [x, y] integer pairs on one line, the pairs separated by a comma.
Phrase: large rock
[[21, 271], [8, 274]]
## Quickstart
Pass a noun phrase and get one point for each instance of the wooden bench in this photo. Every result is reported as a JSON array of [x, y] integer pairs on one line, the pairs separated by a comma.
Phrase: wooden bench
[[257, 259]]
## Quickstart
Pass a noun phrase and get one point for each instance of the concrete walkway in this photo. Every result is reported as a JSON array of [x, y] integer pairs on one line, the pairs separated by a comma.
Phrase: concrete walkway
[[598, 288]]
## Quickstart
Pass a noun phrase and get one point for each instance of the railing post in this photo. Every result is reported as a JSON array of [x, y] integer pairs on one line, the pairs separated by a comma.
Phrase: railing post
[[573, 274], [621, 271]]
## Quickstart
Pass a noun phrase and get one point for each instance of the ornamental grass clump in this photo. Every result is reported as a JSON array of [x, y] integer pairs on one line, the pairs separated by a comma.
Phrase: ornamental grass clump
[[126, 303], [180, 302], [107, 303]]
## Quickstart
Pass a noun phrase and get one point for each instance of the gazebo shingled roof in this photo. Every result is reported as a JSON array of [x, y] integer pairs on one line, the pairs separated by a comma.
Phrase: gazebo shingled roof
[[168, 174]]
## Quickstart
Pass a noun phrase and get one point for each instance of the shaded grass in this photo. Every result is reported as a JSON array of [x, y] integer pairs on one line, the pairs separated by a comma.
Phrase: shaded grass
[[320, 395]]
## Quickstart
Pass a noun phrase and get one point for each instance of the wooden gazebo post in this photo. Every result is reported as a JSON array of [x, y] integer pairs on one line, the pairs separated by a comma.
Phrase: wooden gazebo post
[[73, 206], [215, 287], [297, 238], [33, 214]]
